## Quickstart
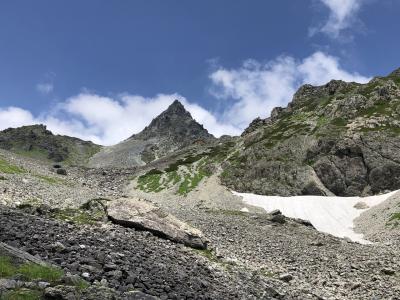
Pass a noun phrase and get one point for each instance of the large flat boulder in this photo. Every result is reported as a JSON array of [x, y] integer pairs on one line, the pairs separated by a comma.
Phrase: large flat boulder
[[143, 215]]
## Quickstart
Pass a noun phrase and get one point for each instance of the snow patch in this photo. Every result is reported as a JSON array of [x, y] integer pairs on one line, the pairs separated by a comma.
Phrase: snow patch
[[333, 215]]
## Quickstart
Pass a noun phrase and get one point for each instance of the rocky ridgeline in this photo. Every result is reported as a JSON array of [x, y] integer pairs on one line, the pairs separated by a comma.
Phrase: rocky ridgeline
[[340, 138], [38, 142]]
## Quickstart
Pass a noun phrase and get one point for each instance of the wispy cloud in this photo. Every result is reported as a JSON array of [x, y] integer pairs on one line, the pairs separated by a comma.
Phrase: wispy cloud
[[45, 88], [342, 15]]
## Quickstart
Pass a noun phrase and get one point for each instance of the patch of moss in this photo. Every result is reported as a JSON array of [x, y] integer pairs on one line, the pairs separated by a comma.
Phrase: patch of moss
[[82, 285], [8, 168], [150, 183], [395, 217], [48, 179], [207, 253], [7, 269], [78, 216], [22, 294], [29, 271], [191, 181], [35, 272], [35, 153], [380, 108], [340, 122]]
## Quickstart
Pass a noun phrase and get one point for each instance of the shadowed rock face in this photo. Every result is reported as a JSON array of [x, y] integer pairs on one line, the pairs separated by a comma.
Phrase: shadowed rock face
[[340, 138], [172, 130], [143, 215]]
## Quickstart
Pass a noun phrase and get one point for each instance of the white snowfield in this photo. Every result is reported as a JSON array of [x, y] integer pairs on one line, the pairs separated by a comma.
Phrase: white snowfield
[[333, 215]]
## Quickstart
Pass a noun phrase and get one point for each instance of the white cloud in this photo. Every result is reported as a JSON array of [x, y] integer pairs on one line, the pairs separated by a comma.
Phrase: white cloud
[[44, 88], [106, 120], [14, 117], [342, 15], [247, 92], [255, 88]]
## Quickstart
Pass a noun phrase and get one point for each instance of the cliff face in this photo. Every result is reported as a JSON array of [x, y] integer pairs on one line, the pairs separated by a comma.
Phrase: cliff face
[[340, 138]]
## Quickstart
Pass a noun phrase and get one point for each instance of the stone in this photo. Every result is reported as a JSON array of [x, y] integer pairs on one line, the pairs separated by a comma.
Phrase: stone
[[286, 277], [278, 218], [137, 295], [58, 247], [361, 205], [388, 271], [7, 284], [143, 215], [61, 171], [42, 284]]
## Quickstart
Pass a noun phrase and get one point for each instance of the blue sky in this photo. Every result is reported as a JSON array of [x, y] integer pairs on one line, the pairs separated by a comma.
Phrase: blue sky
[[101, 70]]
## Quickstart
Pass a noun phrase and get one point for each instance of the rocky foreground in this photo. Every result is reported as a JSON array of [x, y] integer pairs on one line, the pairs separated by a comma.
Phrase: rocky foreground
[[250, 254], [125, 259]]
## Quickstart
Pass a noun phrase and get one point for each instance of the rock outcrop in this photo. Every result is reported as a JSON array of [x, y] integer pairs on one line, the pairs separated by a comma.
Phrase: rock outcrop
[[143, 215], [340, 138], [38, 142]]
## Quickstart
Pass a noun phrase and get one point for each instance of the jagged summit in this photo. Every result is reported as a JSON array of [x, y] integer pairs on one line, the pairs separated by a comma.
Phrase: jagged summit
[[172, 130], [176, 107], [175, 122]]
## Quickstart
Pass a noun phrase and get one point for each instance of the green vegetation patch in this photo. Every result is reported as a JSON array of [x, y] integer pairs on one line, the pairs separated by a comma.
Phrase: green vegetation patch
[[379, 108], [150, 183], [8, 168], [207, 253], [187, 172], [79, 216], [7, 269], [33, 271], [49, 180], [29, 271], [22, 294], [395, 217]]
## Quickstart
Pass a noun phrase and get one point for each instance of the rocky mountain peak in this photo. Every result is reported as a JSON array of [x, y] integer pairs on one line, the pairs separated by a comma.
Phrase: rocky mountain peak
[[175, 122], [172, 130], [37, 129], [176, 108]]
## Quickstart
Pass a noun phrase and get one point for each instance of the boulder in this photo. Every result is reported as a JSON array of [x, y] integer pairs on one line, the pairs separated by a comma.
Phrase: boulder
[[361, 205], [61, 171], [143, 215]]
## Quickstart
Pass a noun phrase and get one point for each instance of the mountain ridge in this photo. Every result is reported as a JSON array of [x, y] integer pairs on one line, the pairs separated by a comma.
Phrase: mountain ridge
[[38, 142]]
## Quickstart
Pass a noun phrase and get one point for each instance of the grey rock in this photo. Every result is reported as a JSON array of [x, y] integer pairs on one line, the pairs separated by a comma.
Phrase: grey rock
[[286, 277], [388, 271], [143, 215]]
